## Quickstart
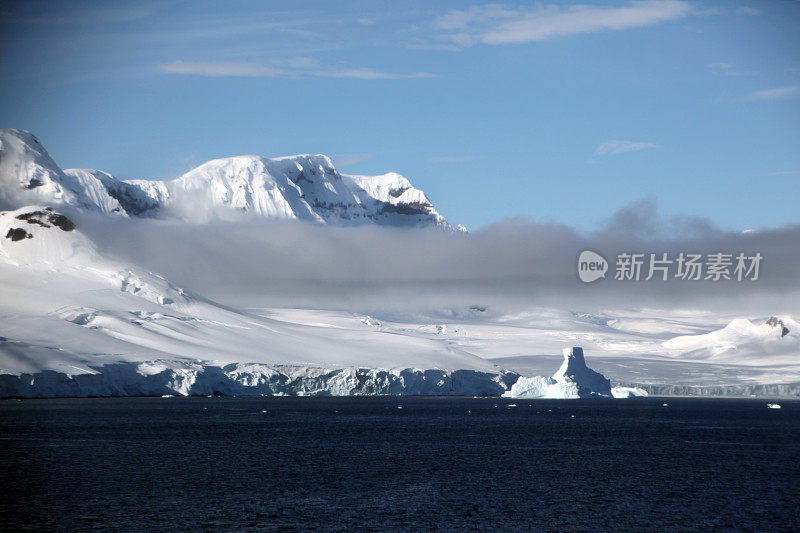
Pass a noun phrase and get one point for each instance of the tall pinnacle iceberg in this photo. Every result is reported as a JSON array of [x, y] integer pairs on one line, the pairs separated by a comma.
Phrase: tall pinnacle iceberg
[[572, 380], [574, 371]]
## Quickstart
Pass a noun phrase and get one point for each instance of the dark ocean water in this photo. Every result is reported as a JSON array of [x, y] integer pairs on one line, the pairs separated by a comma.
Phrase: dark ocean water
[[364, 464]]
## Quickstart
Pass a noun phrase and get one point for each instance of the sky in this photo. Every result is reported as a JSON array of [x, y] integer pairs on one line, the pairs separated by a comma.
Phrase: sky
[[563, 113]]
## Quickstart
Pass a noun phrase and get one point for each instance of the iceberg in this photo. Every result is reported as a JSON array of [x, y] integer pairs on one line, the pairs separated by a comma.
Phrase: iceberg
[[572, 380], [628, 392]]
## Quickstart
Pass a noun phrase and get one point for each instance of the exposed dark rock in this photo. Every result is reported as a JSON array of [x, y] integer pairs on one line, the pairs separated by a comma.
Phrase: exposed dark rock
[[776, 322], [42, 218], [133, 199], [33, 183], [302, 177], [17, 234], [34, 217], [414, 208], [61, 221]]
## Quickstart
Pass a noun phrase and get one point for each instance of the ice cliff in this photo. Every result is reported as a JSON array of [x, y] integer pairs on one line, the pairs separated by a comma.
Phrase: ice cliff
[[157, 378], [170, 377]]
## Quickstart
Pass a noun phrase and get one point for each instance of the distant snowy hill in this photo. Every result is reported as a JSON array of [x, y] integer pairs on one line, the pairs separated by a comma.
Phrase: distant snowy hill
[[775, 339], [305, 187]]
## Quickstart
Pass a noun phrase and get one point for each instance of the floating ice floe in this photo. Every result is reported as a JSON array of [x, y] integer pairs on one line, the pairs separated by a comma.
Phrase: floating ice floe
[[628, 392]]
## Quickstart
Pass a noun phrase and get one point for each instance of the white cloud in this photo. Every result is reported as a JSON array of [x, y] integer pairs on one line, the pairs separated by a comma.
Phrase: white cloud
[[777, 93], [221, 68], [292, 68], [747, 10], [351, 160], [368, 74], [463, 19], [421, 44], [620, 147], [507, 264], [451, 159], [494, 24], [726, 69]]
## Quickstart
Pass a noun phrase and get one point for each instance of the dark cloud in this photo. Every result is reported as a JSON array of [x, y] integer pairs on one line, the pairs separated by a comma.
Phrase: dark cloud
[[641, 220]]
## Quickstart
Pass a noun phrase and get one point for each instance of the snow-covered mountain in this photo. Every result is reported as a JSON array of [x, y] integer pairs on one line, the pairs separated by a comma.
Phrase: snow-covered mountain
[[305, 187]]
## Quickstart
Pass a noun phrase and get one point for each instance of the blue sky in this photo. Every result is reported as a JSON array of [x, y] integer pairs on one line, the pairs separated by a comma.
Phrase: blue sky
[[560, 112]]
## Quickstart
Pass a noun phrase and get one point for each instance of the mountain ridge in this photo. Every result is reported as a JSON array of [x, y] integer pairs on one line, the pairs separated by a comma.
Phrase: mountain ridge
[[304, 187]]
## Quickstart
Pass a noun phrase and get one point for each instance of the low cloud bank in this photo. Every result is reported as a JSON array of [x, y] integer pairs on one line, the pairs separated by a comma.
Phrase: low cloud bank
[[513, 264]]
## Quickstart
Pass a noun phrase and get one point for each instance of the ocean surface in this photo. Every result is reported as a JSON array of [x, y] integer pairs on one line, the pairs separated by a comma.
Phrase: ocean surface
[[208, 464]]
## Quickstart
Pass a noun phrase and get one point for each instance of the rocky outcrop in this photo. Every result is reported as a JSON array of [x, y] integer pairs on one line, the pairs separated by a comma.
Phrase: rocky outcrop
[[777, 323]]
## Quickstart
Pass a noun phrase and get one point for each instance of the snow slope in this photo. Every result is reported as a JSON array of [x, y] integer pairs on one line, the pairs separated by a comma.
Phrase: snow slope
[[68, 312], [305, 187]]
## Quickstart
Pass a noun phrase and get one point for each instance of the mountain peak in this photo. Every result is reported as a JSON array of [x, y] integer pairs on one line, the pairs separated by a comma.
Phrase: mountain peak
[[27, 173], [319, 159]]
